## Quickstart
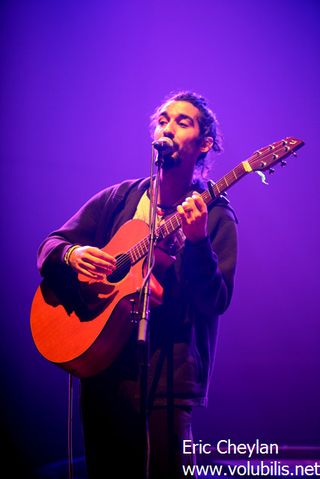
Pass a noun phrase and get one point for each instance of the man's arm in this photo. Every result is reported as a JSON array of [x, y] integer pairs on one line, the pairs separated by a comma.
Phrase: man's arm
[[79, 230], [209, 258]]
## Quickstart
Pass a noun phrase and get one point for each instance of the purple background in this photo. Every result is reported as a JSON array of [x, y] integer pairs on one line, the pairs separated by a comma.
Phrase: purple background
[[78, 83]]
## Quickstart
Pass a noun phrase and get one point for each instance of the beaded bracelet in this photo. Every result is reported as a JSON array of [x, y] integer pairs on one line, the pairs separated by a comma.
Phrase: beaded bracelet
[[68, 253]]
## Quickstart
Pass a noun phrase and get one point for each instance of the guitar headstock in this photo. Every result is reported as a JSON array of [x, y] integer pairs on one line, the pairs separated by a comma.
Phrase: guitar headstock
[[265, 158]]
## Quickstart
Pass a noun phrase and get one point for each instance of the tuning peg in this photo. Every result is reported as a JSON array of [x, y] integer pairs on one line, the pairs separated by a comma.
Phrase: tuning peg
[[283, 162], [294, 153], [271, 171]]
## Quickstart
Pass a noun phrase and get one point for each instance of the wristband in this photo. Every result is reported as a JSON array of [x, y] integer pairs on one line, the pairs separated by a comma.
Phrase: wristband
[[68, 253]]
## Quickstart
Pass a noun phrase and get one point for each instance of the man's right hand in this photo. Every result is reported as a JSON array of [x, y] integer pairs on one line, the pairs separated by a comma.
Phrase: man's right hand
[[92, 262]]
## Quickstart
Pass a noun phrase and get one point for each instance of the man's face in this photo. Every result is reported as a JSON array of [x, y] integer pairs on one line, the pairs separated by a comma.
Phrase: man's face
[[179, 120]]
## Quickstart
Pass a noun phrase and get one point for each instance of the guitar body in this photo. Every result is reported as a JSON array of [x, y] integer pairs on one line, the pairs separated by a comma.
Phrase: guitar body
[[86, 340]]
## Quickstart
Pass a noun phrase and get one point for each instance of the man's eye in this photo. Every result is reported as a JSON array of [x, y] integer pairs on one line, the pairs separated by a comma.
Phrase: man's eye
[[162, 122], [183, 124]]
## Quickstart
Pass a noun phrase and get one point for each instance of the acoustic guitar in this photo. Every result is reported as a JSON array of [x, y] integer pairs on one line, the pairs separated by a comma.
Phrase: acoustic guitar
[[84, 336]]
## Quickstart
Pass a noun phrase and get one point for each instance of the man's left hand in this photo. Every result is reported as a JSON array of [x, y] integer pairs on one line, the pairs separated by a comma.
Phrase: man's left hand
[[194, 216]]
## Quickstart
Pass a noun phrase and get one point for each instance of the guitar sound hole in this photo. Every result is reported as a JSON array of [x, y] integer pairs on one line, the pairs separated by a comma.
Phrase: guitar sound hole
[[122, 269]]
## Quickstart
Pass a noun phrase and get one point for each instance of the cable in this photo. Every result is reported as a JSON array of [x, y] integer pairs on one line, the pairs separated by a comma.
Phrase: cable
[[70, 414]]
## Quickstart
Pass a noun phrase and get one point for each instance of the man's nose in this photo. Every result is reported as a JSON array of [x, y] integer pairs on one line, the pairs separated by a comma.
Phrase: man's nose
[[168, 131]]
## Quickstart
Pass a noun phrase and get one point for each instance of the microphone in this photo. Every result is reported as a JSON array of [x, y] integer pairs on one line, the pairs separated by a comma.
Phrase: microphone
[[164, 145]]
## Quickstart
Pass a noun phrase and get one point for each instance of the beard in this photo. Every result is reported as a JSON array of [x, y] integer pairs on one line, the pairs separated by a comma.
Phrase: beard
[[169, 162]]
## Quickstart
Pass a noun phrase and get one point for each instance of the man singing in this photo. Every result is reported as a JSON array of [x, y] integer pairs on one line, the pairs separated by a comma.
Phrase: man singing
[[197, 288]]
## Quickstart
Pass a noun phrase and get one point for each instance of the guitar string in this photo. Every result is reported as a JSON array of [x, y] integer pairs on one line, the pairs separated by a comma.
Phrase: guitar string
[[143, 244]]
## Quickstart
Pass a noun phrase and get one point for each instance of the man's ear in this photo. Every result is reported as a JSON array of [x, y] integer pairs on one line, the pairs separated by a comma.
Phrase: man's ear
[[206, 144]]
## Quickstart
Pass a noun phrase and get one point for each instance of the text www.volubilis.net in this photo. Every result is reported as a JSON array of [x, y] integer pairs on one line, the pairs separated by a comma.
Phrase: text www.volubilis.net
[[250, 469]]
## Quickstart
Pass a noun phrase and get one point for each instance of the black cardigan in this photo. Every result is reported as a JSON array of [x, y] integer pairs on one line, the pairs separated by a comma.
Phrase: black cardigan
[[198, 288]]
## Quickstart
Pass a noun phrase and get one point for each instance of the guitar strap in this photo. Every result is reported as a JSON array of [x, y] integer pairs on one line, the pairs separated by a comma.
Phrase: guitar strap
[[123, 203]]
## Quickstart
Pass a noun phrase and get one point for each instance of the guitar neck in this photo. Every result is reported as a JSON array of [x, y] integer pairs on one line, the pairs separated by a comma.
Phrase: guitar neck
[[173, 222], [261, 160]]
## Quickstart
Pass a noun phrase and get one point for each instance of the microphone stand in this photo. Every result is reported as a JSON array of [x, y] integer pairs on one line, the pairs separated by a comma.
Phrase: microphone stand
[[143, 327]]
